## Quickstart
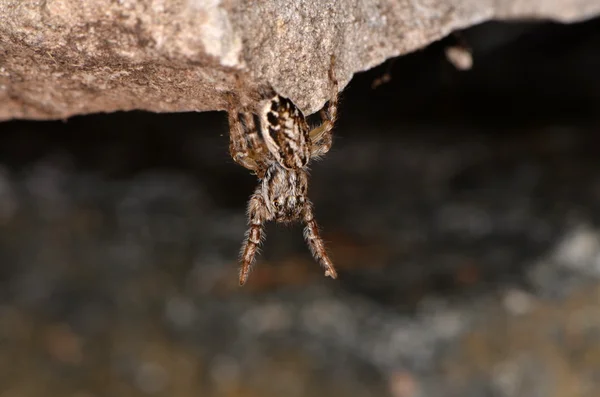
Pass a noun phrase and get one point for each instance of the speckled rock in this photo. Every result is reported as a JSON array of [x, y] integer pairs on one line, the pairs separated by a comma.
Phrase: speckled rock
[[60, 58]]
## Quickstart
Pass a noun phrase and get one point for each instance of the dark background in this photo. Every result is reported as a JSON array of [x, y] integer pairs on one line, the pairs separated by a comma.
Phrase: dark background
[[460, 208]]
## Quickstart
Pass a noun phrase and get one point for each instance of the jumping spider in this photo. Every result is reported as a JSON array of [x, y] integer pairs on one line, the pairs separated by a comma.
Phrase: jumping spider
[[278, 152]]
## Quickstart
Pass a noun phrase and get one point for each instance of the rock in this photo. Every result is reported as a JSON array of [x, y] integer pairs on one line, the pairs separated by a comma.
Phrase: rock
[[60, 58]]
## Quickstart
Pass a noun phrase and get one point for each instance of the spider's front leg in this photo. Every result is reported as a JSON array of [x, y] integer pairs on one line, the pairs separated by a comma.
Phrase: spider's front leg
[[245, 145], [315, 242], [257, 216], [321, 136]]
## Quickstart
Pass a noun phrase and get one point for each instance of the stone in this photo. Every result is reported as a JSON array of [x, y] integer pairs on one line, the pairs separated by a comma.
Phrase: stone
[[60, 58]]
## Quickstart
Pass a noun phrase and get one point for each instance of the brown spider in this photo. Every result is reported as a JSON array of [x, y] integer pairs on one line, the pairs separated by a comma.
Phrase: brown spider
[[278, 152]]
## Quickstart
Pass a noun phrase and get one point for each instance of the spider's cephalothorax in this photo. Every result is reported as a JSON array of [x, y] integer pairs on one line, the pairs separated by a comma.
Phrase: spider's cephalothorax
[[284, 193], [278, 152]]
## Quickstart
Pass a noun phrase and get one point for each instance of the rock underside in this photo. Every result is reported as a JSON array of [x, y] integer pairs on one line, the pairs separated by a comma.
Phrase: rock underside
[[60, 58]]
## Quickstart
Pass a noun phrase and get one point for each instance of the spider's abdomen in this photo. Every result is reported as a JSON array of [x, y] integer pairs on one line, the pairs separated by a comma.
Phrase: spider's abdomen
[[284, 129]]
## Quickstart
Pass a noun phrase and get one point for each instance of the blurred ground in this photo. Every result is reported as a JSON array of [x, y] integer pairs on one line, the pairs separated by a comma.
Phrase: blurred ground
[[461, 210]]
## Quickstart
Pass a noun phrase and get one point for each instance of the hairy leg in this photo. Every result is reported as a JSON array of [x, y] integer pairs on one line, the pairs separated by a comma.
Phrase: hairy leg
[[315, 242], [321, 146], [238, 142], [257, 216], [321, 136]]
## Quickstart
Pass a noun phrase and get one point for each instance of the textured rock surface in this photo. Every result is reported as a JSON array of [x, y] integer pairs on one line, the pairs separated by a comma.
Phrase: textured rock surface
[[60, 58]]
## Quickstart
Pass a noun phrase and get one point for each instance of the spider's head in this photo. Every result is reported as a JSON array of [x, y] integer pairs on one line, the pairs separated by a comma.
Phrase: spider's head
[[284, 192]]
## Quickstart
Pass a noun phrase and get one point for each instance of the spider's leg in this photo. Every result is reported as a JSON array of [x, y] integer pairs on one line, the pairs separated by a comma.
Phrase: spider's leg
[[315, 242], [321, 136], [256, 144], [257, 216], [246, 146], [238, 142], [321, 145]]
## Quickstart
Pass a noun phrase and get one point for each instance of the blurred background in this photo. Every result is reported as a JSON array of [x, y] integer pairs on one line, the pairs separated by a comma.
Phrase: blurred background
[[461, 209]]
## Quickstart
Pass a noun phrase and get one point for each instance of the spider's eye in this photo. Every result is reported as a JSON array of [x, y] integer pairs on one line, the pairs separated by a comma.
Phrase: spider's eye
[[276, 204]]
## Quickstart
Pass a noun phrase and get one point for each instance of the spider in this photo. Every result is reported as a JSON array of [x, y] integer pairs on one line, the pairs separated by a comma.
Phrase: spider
[[278, 152]]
